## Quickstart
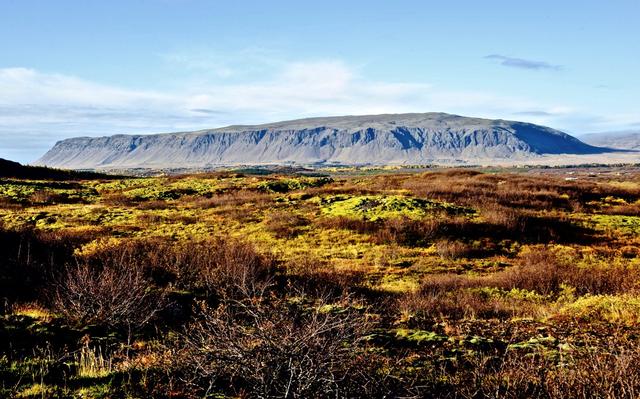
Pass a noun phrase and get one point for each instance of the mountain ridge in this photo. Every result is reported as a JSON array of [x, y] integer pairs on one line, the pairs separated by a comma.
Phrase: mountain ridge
[[357, 139]]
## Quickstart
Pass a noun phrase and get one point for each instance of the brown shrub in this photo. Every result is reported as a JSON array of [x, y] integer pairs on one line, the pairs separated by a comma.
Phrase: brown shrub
[[218, 267], [118, 199], [45, 197], [234, 198], [527, 226], [361, 226], [460, 173], [509, 219], [317, 279], [8, 203], [498, 222], [402, 231], [538, 271], [542, 271], [115, 295], [450, 249], [277, 350], [231, 268], [626, 210], [460, 296], [605, 372], [521, 191], [154, 205], [459, 303], [423, 232], [628, 251], [150, 218], [184, 219], [285, 224]]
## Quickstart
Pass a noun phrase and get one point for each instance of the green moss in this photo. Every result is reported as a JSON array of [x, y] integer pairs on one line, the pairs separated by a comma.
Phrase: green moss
[[621, 310], [374, 207], [477, 341], [628, 225], [36, 391], [162, 188], [124, 184], [398, 283], [515, 294], [536, 343], [419, 336], [286, 185], [95, 391], [46, 192]]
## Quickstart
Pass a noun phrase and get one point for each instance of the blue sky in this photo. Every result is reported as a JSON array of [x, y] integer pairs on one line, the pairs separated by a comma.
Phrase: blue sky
[[89, 68]]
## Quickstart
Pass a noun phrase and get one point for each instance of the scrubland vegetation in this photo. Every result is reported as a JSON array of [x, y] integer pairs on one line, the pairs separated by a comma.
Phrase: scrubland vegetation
[[446, 284]]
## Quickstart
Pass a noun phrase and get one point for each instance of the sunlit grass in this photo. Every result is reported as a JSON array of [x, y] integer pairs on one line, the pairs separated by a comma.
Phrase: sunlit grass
[[92, 363]]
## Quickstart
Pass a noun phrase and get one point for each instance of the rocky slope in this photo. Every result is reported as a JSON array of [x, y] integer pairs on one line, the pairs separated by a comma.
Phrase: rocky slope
[[377, 139]]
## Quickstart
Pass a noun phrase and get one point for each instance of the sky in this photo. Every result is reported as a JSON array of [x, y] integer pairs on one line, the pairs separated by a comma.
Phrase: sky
[[95, 68]]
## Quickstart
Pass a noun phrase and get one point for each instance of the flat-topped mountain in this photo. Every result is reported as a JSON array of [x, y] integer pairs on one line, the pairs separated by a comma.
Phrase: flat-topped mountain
[[371, 139]]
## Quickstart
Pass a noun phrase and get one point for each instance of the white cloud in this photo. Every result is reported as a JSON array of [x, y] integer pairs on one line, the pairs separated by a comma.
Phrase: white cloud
[[27, 86]]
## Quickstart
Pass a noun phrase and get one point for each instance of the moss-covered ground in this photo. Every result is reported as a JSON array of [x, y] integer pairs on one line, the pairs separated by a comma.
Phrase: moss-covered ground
[[442, 258]]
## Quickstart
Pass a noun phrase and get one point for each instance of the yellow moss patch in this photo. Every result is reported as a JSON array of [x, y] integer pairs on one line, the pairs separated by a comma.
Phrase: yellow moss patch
[[36, 391], [621, 310], [33, 311], [374, 207]]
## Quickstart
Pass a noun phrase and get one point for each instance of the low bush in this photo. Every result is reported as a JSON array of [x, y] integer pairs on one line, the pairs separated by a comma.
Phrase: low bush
[[217, 267], [234, 198], [278, 350], [544, 272], [315, 278], [452, 249], [359, 225], [594, 372], [625, 209], [285, 224], [114, 295]]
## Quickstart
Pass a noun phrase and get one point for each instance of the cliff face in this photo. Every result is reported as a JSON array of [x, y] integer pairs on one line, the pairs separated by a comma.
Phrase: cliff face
[[377, 139]]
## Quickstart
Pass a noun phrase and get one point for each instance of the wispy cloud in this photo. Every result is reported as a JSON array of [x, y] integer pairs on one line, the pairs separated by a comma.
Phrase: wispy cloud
[[534, 113], [214, 64], [207, 111], [522, 63]]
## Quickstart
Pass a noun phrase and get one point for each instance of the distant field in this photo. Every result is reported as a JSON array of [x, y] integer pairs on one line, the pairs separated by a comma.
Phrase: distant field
[[345, 283]]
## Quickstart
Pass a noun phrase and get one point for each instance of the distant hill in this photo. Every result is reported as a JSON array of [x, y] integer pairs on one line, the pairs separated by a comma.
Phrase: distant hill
[[372, 139], [11, 169], [628, 140]]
